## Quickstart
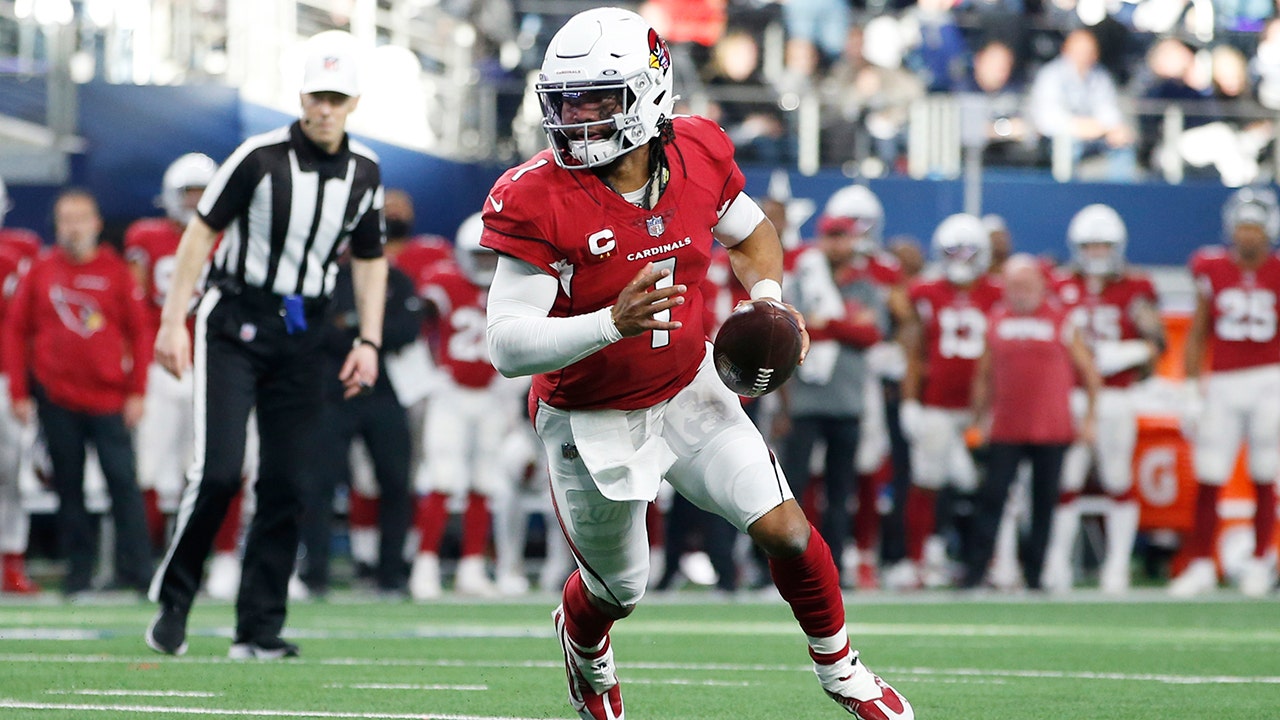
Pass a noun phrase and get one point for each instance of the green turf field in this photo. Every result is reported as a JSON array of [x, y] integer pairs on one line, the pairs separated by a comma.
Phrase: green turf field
[[683, 658]]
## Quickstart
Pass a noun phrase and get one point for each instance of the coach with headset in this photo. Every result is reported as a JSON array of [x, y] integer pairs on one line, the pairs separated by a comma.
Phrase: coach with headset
[[287, 203]]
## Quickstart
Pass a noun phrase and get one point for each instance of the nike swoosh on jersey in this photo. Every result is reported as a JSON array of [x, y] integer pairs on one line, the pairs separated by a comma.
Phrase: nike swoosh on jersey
[[497, 204]]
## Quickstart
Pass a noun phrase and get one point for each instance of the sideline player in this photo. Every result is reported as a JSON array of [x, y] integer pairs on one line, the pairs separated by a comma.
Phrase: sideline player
[[605, 240], [1116, 309], [1238, 399]]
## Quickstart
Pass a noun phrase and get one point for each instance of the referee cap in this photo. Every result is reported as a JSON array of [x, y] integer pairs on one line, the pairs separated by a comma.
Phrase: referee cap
[[331, 64]]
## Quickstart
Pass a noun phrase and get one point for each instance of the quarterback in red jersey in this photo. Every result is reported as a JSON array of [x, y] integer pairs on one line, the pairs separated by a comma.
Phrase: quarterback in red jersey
[[14, 443], [952, 315], [1116, 309], [166, 432], [604, 242], [1237, 397], [468, 419]]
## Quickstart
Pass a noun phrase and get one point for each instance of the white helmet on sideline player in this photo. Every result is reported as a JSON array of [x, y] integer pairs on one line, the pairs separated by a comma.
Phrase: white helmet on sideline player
[[962, 246], [1252, 206], [189, 172], [605, 50], [1099, 226], [854, 209], [478, 262]]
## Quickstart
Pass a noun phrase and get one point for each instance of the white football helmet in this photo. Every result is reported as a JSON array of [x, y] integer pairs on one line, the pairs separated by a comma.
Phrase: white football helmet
[[193, 170], [855, 209], [5, 205], [1252, 206], [1097, 224], [613, 51], [478, 262], [962, 246]]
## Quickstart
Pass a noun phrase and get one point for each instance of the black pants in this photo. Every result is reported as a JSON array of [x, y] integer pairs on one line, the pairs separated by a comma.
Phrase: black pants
[[1002, 467], [380, 421], [244, 358], [66, 433], [841, 436], [893, 531], [683, 521]]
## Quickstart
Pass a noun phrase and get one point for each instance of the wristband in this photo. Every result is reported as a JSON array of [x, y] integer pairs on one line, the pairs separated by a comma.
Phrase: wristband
[[768, 288], [366, 341]]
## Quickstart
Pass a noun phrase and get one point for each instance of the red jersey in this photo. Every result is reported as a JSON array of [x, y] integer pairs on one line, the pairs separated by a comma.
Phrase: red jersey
[[953, 323], [81, 330], [570, 224], [152, 243], [721, 291], [12, 267], [418, 258], [1031, 375], [25, 242], [461, 321], [1242, 306], [1106, 313]]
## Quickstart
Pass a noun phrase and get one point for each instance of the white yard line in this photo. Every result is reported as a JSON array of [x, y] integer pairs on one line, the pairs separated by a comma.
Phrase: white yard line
[[678, 681], [1168, 678], [136, 693], [222, 712], [404, 686]]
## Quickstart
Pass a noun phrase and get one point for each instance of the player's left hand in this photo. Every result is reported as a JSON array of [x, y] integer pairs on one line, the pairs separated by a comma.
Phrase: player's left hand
[[133, 409], [359, 372]]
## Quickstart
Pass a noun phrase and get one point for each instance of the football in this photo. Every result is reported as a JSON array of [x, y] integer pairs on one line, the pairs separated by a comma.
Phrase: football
[[757, 348]]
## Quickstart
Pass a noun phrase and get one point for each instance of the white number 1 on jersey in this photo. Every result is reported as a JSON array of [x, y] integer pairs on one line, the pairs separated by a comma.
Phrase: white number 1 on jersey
[[662, 338]]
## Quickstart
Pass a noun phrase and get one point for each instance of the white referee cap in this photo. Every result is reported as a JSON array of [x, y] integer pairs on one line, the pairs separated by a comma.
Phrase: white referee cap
[[331, 64]]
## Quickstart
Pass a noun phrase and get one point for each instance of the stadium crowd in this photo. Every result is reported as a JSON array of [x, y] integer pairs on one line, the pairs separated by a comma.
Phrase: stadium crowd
[[896, 467]]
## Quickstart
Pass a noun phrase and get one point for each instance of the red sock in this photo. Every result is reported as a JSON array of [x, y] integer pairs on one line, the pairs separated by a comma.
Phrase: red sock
[[921, 519], [1206, 522], [155, 518], [866, 520], [362, 511], [586, 625], [229, 532], [475, 525], [1264, 519], [811, 586], [431, 518]]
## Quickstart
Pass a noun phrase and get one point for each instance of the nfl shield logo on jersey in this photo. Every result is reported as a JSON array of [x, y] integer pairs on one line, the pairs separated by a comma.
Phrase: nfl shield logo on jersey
[[656, 225]]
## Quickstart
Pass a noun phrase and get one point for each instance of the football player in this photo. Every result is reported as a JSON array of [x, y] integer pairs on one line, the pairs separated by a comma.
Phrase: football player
[[1236, 398], [470, 414], [1116, 308], [604, 241], [952, 314]]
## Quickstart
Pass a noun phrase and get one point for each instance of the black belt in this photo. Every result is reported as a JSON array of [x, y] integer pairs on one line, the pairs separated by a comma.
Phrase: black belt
[[267, 301]]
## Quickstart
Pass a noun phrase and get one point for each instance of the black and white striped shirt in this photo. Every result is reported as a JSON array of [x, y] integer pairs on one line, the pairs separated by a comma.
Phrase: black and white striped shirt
[[287, 209]]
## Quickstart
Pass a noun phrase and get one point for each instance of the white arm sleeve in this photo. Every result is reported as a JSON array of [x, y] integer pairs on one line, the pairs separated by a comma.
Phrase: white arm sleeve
[[738, 221], [522, 339], [1118, 355]]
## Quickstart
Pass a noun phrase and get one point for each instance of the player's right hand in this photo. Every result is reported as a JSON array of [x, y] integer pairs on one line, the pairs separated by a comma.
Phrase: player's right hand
[[639, 303], [173, 349]]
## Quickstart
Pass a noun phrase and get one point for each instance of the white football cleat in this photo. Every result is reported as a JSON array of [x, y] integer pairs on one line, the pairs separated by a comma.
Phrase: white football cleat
[[513, 584], [424, 579], [223, 582], [862, 692], [1199, 577], [593, 680], [901, 576], [1258, 576], [472, 579]]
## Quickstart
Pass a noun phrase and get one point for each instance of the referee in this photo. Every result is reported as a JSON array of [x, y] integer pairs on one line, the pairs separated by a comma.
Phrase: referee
[[288, 202]]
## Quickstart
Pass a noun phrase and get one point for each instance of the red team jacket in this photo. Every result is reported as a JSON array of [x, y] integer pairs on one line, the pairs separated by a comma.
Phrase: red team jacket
[[953, 322], [1242, 324], [568, 223], [1031, 375], [80, 330]]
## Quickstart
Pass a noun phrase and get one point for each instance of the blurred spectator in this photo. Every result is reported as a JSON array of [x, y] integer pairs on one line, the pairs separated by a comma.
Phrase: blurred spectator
[[815, 32], [1023, 384], [1243, 16], [1265, 65], [377, 418], [76, 325], [1222, 138], [1074, 98], [939, 55], [687, 21], [756, 127], [870, 89], [995, 103]]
